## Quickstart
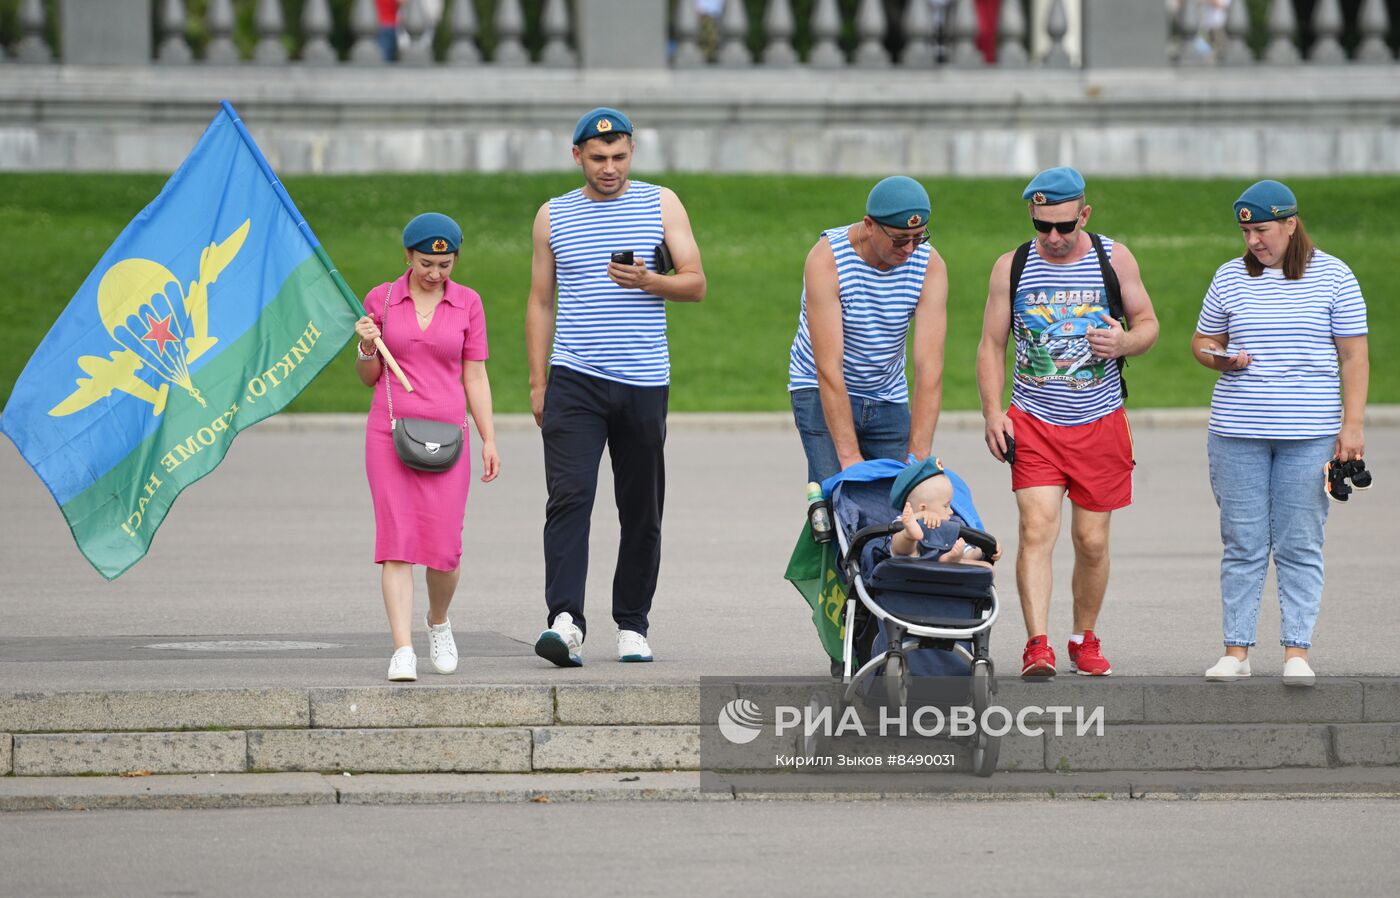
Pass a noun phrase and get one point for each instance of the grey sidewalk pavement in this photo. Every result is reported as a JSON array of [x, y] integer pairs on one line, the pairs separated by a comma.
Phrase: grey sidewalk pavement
[[275, 547], [251, 790]]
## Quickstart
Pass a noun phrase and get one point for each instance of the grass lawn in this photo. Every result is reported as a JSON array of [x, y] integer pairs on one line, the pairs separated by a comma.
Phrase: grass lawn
[[729, 352]]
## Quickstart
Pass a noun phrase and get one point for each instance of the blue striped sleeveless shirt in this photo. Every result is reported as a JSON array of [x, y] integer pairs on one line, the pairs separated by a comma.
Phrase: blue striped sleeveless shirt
[[1291, 388], [602, 329], [876, 308], [1056, 377]]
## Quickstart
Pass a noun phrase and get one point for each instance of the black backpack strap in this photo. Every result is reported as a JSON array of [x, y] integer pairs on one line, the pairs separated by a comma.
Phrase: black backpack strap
[[1018, 268], [1115, 299], [1110, 280]]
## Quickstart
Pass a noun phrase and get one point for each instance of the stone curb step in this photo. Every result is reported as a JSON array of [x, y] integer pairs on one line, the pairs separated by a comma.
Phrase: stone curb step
[[260, 790], [1140, 700], [671, 748], [1149, 725]]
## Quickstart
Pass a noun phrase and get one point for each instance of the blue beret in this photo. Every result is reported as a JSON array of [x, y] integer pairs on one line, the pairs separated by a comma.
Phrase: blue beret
[[1265, 201], [911, 477], [899, 202], [603, 120], [433, 233], [1054, 185]]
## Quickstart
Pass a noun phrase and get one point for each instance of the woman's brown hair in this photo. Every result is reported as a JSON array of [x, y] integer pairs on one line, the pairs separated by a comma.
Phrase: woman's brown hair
[[1295, 258]]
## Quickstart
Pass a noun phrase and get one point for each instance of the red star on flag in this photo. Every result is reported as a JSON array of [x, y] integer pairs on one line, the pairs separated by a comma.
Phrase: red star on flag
[[159, 332]]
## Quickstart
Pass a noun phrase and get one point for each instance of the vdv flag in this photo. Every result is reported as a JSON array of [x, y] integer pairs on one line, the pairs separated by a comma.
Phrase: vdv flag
[[214, 308]]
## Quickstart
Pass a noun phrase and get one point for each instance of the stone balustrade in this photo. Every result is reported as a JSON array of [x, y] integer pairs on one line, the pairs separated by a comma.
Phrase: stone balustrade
[[720, 34], [1126, 87]]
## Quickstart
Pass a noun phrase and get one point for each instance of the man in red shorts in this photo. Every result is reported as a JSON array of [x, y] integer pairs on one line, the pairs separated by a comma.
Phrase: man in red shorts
[[1066, 296]]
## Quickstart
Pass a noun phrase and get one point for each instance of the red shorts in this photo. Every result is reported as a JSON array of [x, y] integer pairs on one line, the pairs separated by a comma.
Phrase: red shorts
[[1094, 461]]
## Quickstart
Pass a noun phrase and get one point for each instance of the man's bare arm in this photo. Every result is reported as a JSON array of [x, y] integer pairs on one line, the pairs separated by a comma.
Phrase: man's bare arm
[[539, 312], [930, 336], [991, 357], [829, 349]]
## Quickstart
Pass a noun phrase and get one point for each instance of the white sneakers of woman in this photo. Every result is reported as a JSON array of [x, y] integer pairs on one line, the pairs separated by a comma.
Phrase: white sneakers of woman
[[1228, 668], [1297, 672], [442, 648], [403, 667]]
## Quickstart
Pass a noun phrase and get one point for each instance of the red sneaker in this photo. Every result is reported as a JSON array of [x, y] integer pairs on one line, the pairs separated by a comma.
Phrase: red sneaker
[[1087, 659], [1038, 660]]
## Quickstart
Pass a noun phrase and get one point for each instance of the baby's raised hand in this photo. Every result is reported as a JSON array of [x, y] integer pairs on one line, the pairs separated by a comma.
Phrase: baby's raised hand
[[911, 523]]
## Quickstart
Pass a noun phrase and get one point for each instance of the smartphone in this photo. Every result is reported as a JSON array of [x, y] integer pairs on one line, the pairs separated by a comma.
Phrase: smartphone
[[623, 258], [1206, 350]]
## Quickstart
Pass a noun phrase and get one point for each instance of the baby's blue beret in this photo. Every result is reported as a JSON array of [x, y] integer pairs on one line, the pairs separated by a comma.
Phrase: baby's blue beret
[[1054, 185], [1265, 201], [433, 233], [600, 121], [911, 477], [899, 202]]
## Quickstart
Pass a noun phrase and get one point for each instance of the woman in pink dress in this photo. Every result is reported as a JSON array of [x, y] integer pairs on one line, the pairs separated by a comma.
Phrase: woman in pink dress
[[436, 330]]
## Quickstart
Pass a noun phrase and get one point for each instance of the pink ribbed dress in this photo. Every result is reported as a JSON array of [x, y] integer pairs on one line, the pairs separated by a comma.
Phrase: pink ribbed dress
[[418, 515]]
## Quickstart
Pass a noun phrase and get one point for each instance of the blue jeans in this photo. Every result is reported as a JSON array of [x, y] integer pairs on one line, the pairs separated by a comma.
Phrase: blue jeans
[[1272, 501], [882, 431], [388, 38]]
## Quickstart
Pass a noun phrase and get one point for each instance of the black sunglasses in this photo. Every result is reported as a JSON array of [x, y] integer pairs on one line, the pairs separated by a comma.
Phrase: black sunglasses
[[1064, 227], [904, 240]]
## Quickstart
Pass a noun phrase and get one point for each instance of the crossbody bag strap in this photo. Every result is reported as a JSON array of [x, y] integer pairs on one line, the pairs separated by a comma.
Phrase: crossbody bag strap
[[388, 382]]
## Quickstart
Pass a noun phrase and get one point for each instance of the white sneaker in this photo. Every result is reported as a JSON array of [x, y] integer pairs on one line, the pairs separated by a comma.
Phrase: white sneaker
[[442, 648], [1297, 672], [403, 667], [1228, 668], [562, 643], [632, 646]]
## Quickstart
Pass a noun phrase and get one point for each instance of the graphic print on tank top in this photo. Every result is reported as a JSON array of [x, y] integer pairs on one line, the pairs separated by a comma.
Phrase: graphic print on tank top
[[1051, 336]]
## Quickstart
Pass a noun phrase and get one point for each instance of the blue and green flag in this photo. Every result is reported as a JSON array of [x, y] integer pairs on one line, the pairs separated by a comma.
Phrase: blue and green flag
[[214, 308]]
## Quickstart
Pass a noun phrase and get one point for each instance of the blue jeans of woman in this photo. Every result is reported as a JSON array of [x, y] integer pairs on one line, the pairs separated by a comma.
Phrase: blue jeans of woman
[[1272, 503], [882, 431]]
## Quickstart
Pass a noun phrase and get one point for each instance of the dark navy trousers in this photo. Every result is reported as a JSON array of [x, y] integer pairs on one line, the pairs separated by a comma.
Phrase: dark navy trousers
[[582, 414]]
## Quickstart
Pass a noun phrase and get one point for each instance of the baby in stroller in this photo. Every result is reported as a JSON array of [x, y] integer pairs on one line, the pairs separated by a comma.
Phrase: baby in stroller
[[921, 600], [931, 529]]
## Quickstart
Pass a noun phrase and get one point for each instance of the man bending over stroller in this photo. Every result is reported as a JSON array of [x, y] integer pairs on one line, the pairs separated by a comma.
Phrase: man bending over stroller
[[930, 525]]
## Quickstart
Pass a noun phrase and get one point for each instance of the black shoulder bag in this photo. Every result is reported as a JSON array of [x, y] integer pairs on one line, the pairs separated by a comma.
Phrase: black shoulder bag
[[422, 443]]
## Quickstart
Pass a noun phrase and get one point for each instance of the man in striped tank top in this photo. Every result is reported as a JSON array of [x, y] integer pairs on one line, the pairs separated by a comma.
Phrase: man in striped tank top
[[862, 287], [600, 374], [1061, 295]]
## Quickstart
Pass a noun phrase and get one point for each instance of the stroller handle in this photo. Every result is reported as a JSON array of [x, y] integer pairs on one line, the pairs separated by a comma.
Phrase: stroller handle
[[973, 537], [982, 540], [866, 534]]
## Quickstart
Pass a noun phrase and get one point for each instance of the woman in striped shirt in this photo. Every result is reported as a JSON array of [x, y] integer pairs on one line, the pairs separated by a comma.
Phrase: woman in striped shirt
[[1279, 324]]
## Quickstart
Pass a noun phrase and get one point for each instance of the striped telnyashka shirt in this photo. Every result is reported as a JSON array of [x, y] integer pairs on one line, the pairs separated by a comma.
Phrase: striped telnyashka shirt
[[1291, 388], [876, 308], [602, 329], [1057, 377]]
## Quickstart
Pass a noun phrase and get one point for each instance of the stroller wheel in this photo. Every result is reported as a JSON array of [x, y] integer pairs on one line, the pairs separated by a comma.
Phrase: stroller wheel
[[896, 681], [814, 709], [985, 747]]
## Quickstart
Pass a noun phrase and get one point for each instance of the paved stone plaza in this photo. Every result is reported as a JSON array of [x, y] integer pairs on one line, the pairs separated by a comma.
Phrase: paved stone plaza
[[275, 546]]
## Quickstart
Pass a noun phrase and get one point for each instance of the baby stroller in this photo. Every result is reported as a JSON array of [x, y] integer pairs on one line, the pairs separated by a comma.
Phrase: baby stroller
[[910, 616]]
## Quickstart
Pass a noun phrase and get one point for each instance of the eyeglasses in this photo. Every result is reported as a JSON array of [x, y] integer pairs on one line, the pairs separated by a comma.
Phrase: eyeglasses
[[1064, 227], [903, 240]]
